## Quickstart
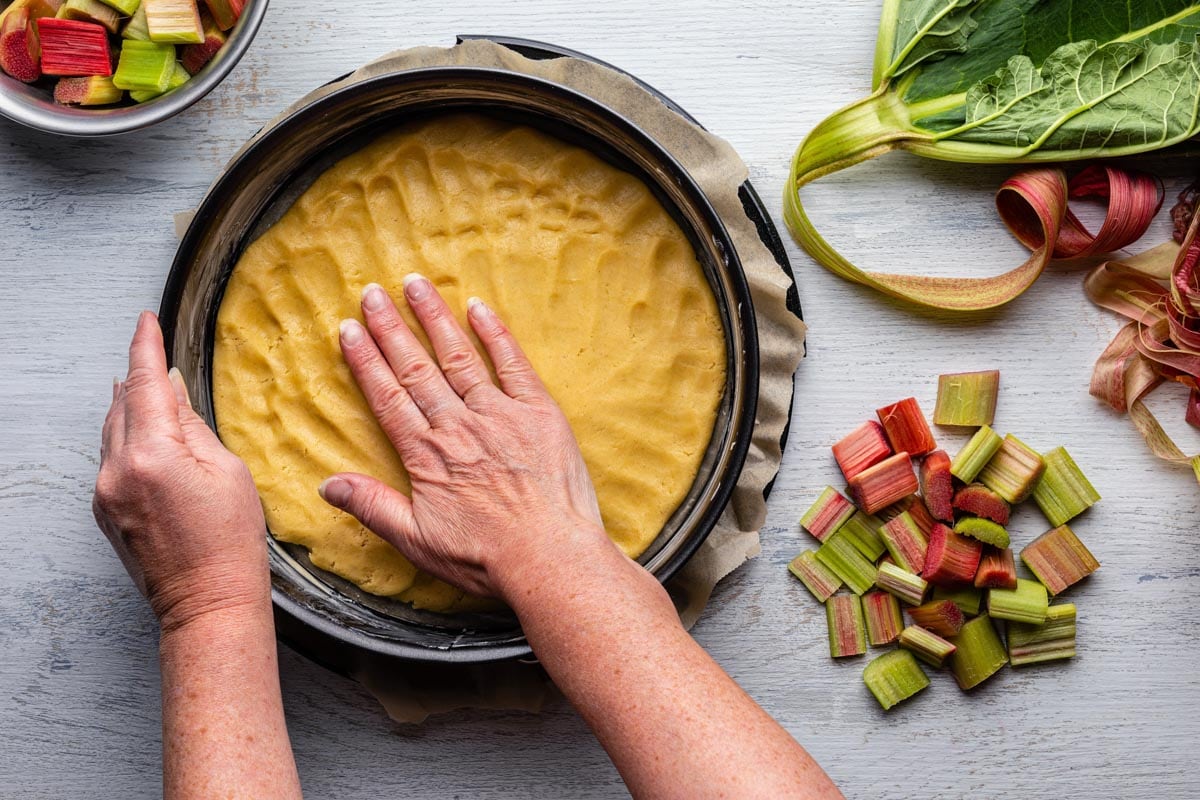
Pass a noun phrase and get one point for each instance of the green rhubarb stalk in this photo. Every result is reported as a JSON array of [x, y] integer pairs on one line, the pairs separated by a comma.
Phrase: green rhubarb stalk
[[1053, 640], [906, 543], [179, 77], [137, 27], [863, 530], [126, 7], [926, 645], [979, 655], [984, 530], [894, 677], [91, 11], [1027, 603], [1013, 471], [975, 454], [967, 399], [884, 621], [174, 21], [145, 66], [827, 514], [817, 578], [1063, 492], [905, 585], [967, 81], [968, 599], [847, 630], [840, 555]]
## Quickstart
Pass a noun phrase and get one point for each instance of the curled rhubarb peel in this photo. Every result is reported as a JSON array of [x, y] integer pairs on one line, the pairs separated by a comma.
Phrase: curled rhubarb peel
[[1159, 292], [1034, 204]]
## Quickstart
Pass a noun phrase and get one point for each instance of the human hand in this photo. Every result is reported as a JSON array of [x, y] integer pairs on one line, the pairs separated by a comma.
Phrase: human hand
[[498, 482], [181, 511]]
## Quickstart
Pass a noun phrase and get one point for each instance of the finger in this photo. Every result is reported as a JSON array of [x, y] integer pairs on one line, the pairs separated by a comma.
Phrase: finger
[[391, 403], [373, 503], [460, 361], [150, 405], [516, 374], [112, 434], [196, 432], [412, 366]]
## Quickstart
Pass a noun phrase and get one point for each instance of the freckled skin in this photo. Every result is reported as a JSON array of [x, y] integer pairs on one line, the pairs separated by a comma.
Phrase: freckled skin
[[501, 506]]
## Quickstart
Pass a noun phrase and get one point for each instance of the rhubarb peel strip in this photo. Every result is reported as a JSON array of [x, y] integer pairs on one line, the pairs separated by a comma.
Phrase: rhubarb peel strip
[[1159, 292]]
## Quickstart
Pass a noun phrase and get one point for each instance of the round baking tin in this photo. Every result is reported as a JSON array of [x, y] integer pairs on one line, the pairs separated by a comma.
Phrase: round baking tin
[[325, 617]]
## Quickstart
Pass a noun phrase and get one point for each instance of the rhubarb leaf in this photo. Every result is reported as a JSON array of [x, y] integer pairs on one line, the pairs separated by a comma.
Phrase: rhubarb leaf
[[923, 29]]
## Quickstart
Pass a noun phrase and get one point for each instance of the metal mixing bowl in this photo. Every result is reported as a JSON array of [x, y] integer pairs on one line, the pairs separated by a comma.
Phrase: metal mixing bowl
[[328, 618], [33, 105]]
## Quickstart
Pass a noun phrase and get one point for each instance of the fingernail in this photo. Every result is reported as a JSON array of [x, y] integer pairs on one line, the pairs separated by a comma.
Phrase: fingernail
[[116, 388], [417, 286], [178, 384], [352, 332], [477, 308], [373, 297], [336, 491]]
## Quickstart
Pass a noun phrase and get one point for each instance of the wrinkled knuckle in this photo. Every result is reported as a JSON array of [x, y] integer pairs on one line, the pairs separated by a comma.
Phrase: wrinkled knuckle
[[415, 372], [141, 466], [458, 361], [107, 487], [390, 404]]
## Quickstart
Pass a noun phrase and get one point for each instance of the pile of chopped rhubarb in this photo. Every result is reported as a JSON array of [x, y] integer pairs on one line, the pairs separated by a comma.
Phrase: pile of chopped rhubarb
[[91, 52], [920, 533]]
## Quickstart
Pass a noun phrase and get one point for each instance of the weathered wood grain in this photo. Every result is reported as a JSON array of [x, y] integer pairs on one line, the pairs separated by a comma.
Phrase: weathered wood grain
[[88, 238]]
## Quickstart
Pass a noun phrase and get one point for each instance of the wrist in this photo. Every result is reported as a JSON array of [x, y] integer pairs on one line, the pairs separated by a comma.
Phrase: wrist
[[190, 600], [562, 550]]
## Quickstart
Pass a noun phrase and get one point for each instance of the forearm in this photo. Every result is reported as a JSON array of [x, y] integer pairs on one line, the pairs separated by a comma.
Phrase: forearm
[[223, 728], [673, 722]]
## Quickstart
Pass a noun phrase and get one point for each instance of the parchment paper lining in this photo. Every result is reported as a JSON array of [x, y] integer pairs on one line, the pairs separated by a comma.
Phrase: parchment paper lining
[[717, 169]]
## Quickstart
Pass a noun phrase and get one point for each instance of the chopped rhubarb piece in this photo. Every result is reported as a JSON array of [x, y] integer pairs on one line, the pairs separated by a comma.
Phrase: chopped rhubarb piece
[[73, 48], [92, 90], [917, 509], [174, 21], [905, 585], [863, 530], [1059, 559], [937, 485], [979, 655], [1052, 640], [967, 598], [92, 11], [127, 7], [36, 8], [1027, 603], [1014, 470], [984, 530], [981, 501], [137, 28], [951, 559], [883, 618], [19, 49], [840, 555], [975, 454], [815, 576], [967, 399], [894, 677], [905, 542], [997, 570], [863, 447], [827, 514], [178, 78], [847, 631], [883, 484], [1192, 417], [225, 12], [926, 645], [145, 66], [195, 56], [942, 617], [906, 428], [1063, 492]]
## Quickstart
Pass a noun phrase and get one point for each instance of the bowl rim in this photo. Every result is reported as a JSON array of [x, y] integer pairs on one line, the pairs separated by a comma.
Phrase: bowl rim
[[17, 104], [308, 630]]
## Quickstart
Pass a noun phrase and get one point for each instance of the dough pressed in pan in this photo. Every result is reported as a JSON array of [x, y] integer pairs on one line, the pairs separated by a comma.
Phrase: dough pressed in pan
[[592, 275]]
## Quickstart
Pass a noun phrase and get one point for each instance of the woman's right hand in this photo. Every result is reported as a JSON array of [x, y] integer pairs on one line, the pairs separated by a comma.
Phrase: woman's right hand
[[498, 482]]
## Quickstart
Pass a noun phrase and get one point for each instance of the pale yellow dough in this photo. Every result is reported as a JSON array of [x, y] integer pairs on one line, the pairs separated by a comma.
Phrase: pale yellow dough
[[596, 280]]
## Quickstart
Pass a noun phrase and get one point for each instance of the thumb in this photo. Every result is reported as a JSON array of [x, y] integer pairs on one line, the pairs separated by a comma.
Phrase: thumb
[[381, 508], [196, 432]]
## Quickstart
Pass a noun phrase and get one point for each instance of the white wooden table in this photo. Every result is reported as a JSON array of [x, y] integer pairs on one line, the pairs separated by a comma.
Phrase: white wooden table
[[87, 240]]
